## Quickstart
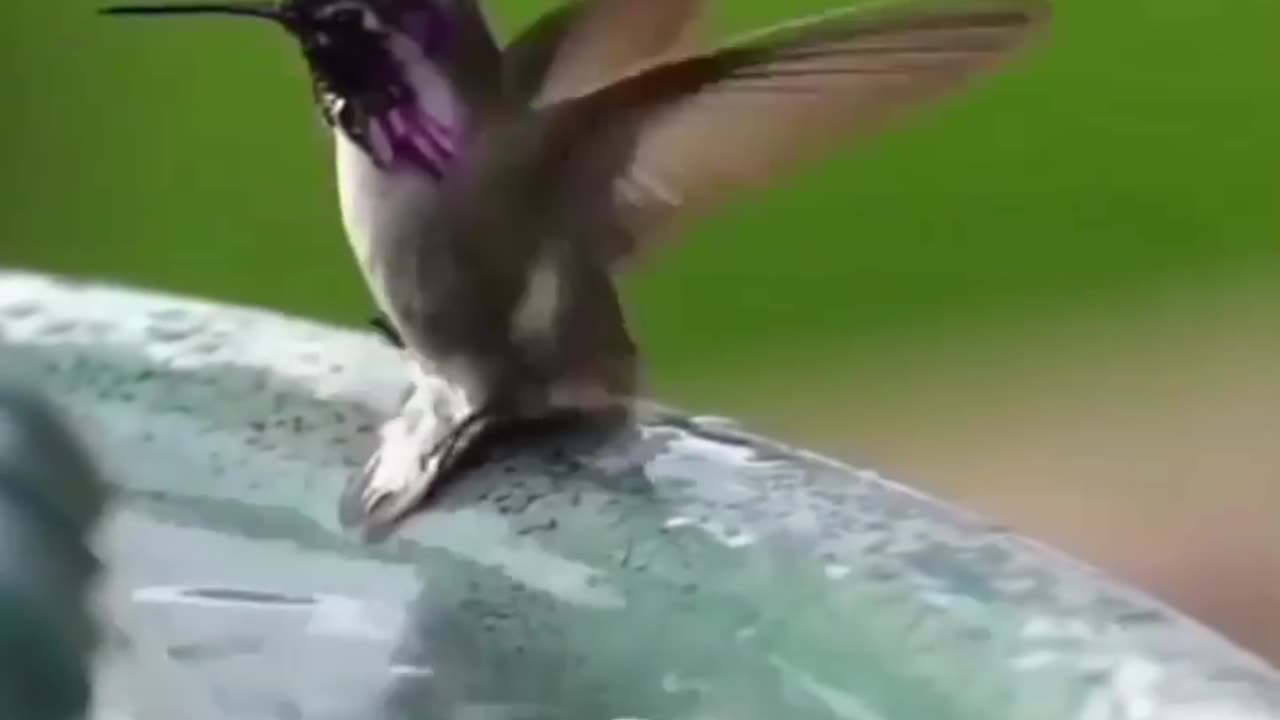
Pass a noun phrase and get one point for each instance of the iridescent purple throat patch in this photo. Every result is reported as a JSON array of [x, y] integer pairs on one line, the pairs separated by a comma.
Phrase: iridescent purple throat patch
[[415, 138]]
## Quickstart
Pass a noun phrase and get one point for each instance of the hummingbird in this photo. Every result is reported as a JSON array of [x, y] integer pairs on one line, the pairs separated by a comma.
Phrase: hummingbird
[[439, 60], [492, 194]]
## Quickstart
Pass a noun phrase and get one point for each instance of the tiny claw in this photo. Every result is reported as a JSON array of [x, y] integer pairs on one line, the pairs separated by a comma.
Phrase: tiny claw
[[372, 503], [351, 507], [374, 534], [370, 508], [371, 465], [382, 510], [387, 331], [365, 515]]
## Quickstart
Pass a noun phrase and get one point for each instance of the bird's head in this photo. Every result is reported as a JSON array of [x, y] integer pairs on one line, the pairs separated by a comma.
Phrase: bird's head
[[377, 69]]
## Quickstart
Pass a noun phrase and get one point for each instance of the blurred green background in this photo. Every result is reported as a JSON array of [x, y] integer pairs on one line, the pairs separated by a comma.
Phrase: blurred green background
[[1054, 297]]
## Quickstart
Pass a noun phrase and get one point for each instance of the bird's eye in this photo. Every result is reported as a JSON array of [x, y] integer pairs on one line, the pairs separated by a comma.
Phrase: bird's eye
[[348, 16]]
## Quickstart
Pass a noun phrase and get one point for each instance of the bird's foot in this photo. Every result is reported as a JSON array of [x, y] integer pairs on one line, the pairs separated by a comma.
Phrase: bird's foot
[[438, 436], [387, 471], [408, 468], [433, 430]]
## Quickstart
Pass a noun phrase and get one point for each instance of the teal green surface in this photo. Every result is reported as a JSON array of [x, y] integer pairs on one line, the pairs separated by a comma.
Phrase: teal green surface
[[688, 572], [1137, 148]]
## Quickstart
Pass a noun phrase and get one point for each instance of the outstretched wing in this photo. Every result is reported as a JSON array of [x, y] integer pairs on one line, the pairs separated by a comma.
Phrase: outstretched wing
[[475, 59], [674, 140], [585, 43]]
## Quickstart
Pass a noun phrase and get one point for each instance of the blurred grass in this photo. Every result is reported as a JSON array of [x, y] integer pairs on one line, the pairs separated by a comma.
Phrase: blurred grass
[[1055, 296], [1132, 159], [1138, 148]]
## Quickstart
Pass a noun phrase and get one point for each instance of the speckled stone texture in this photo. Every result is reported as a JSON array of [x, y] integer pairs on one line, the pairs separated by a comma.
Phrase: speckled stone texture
[[687, 570]]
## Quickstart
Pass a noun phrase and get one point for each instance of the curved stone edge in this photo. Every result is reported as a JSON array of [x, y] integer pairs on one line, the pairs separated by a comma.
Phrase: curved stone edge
[[1141, 657]]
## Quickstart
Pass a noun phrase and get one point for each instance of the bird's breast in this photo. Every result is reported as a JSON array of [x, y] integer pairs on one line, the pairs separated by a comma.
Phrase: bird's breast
[[379, 207]]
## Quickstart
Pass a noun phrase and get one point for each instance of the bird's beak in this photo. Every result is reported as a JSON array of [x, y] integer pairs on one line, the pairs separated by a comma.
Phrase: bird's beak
[[260, 10]]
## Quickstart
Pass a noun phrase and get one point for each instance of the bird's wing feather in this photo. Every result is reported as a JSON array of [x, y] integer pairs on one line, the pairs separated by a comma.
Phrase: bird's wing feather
[[584, 43], [477, 55], [675, 139]]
